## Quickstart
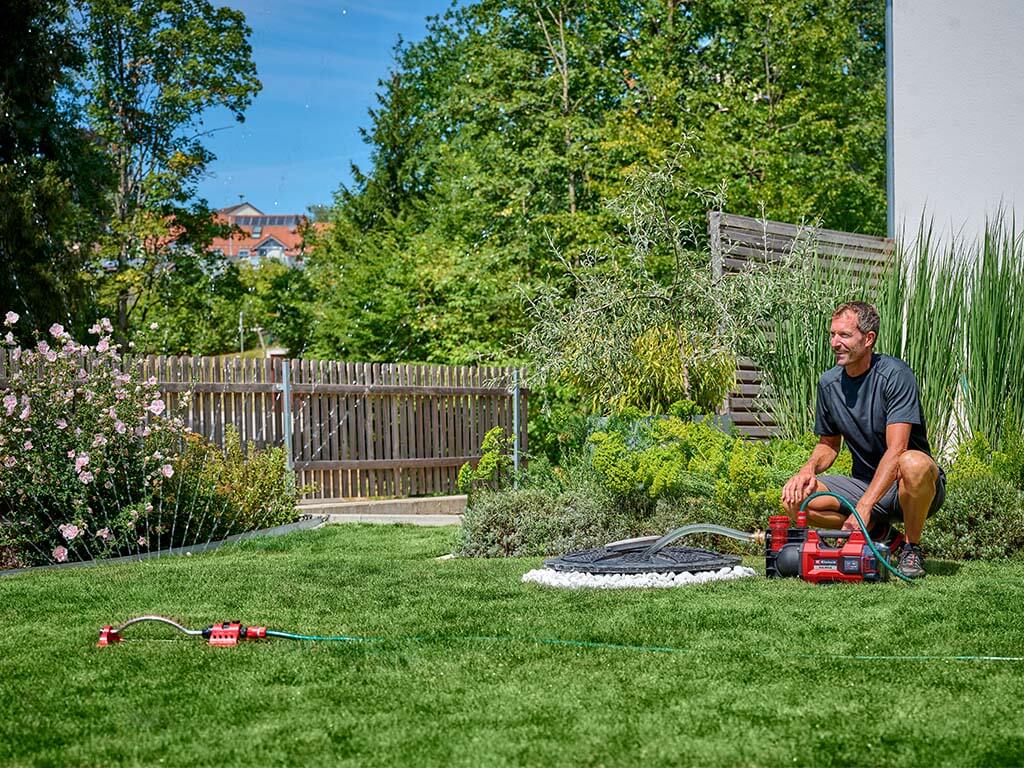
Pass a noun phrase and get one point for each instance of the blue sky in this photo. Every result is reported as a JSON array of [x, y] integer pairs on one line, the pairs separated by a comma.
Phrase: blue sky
[[319, 61]]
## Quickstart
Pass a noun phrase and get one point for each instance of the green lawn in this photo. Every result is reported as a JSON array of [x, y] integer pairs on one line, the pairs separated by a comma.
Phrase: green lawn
[[754, 682]]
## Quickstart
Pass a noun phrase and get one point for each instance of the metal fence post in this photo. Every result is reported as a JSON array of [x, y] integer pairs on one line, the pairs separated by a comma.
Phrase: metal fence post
[[515, 426], [286, 389]]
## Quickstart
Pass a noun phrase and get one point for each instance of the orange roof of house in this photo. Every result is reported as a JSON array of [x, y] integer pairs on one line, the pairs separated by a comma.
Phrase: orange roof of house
[[256, 231]]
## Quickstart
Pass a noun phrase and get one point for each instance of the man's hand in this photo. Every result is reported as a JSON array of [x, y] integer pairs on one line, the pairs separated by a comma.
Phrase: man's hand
[[850, 524], [800, 486]]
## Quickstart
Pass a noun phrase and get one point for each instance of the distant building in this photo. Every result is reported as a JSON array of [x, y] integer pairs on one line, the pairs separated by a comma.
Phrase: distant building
[[259, 237]]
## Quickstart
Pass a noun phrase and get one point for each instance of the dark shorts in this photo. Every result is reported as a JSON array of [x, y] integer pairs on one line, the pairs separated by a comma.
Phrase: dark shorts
[[888, 507]]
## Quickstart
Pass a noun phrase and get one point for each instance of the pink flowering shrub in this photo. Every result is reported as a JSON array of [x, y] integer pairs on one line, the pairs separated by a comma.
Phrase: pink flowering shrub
[[93, 465], [80, 455]]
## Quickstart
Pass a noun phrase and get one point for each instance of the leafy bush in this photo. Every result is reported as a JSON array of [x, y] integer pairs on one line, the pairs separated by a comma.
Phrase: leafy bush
[[983, 515], [83, 451], [494, 468], [229, 491], [982, 518], [539, 521], [92, 465]]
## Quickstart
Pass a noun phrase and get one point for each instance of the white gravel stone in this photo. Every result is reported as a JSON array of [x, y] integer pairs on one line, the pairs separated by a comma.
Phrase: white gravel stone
[[574, 580]]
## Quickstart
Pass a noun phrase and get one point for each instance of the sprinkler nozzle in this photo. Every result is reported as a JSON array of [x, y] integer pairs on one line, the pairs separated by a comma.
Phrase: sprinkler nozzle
[[108, 636]]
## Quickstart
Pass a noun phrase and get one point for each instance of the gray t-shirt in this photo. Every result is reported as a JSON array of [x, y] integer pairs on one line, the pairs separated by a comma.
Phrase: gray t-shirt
[[860, 408]]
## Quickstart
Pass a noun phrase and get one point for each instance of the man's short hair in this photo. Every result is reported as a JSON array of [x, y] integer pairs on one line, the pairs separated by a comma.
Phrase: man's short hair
[[867, 315]]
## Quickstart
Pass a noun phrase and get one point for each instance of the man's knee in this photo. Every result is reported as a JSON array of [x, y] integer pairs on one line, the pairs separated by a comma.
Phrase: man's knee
[[917, 469]]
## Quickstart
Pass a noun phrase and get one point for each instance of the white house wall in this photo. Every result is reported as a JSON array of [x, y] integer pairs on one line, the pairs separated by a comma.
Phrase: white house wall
[[958, 111]]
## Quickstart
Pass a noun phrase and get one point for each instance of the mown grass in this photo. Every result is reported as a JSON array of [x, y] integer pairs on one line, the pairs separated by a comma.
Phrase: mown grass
[[755, 682]]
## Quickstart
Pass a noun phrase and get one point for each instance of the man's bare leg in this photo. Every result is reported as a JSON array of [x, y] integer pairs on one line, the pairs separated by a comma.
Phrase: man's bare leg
[[822, 512], [918, 475]]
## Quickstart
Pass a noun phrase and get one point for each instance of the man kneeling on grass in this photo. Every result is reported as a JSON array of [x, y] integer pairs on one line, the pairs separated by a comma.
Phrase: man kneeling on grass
[[871, 402]]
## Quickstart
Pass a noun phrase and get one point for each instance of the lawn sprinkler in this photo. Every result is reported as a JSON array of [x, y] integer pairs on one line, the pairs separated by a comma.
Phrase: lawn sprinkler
[[791, 549]]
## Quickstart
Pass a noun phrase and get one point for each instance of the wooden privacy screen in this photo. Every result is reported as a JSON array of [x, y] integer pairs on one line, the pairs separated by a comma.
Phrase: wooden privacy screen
[[357, 429], [738, 240]]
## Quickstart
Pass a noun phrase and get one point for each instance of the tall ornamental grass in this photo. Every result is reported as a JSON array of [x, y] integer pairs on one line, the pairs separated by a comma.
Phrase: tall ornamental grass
[[993, 346]]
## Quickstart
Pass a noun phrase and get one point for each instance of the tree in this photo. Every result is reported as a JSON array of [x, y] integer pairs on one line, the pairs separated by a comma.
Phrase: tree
[[153, 69], [51, 179], [499, 138]]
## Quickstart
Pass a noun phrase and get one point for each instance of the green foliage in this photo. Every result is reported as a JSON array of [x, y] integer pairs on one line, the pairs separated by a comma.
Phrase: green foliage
[[540, 521], [679, 461], [557, 424], [51, 179], [494, 469], [228, 491], [638, 475], [498, 138], [152, 70], [981, 518]]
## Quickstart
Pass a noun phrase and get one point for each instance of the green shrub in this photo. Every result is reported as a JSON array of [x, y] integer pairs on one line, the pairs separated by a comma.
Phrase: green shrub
[[983, 514], [93, 465], [495, 467], [529, 522], [223, 492], [982, 518]]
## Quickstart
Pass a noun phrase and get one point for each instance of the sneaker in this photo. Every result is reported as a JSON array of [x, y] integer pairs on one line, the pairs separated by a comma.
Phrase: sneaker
[[911, 562]]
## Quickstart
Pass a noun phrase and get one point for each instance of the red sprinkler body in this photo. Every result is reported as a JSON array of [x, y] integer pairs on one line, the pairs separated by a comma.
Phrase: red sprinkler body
[[229, 633], [802, 552]]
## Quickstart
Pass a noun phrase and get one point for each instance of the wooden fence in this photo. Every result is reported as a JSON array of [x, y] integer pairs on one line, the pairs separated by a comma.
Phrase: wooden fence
[[737, 240], [350, 429]]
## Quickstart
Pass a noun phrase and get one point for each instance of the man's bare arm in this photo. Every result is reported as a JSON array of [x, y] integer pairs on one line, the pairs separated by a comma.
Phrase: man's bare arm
[[803, 483]]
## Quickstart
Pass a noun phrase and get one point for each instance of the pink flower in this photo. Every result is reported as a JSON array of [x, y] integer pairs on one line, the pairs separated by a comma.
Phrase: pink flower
[[166, 470], [149, 508], [25, 413], [120, 428], [57, 330], [102, 346], [105, 324], [60, 554], [94, 329], [81, 461], [9, 337], [156, 407], [51, 356], [142, 541], [10, 461], [10, 403], [69, 531], [71, 454], [85, 477], [43, 347], [153, 326], [28, 445], [99, 440], [103, 533], [61, 424], [11, 318]]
